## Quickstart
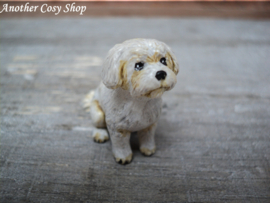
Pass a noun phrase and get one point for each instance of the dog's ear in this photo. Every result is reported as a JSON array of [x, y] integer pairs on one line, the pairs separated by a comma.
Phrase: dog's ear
[[171, 61], [114, 73]]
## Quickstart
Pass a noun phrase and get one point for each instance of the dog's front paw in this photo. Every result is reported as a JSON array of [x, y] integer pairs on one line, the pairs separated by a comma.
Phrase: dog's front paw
[[147, 152], [125, 160], [100, 135]]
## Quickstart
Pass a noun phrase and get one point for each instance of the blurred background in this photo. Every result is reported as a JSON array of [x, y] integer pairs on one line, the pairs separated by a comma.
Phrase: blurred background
[[213, 137]]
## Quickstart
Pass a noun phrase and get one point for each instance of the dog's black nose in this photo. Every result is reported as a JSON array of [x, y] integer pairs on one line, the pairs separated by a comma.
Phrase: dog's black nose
[[161, 75]]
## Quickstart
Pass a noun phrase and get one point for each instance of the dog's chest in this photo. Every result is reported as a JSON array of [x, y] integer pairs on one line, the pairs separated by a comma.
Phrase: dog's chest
[[135, 116]]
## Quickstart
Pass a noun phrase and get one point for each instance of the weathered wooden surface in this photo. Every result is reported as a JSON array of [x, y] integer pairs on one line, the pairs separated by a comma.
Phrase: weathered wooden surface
[[213, 138], [202, 9]]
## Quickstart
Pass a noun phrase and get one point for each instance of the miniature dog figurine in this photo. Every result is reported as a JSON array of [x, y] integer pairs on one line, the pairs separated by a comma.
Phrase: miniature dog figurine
[[135, 74]]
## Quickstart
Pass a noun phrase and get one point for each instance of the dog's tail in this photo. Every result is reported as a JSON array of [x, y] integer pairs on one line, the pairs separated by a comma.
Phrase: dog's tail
[[88, 100]]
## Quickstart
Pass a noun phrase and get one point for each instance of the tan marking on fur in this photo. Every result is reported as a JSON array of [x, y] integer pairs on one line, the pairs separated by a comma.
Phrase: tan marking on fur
[[101, 122], [170, 62], [123, 132], [136, 55], [97, 105], [153, 59], [88, 100], [148, 152], [155, 92], [135, 78], [123, 82], [164, 84], [97, 138]]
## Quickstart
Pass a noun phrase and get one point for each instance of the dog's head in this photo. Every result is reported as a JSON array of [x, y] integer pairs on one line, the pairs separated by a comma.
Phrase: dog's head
[[144, 67]]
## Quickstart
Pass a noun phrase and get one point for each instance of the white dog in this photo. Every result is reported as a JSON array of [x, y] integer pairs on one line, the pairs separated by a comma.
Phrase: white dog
[[135, 74]]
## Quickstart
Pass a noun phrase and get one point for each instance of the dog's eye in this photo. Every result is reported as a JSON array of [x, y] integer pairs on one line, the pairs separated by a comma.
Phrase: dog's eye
[[163, 61], [139, 66]]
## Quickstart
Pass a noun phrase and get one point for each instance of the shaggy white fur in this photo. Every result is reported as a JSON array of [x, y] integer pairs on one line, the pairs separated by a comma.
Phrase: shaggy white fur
[[135, 74]]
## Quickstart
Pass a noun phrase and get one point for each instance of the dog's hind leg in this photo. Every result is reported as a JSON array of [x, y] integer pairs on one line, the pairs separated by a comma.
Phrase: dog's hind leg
[[97, 114], [98, 119], [100, 134]]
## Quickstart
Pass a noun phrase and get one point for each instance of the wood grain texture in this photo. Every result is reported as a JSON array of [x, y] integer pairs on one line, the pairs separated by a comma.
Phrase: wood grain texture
[[201, 9], [213, 141]]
